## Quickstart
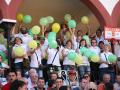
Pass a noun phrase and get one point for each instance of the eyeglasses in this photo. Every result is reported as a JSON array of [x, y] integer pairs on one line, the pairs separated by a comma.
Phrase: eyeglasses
[[85, 76]]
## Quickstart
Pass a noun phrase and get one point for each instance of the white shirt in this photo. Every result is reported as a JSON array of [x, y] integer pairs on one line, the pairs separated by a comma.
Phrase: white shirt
[[116, 86], [46, 43], [99, 39], [2, 48], [66, 60], [51, 55], [103, 58], [26, 38], [95, 49], [36, 59], [17, 60]]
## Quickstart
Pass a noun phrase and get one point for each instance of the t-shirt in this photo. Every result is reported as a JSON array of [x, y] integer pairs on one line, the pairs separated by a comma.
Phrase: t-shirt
[[103, 58], [66, 59], [51, 55], [116, 86], [95, 49], [36, 59], [17, 60]]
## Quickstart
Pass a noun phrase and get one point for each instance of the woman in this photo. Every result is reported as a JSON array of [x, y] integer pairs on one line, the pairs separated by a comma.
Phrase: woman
[[19, 60], [85, 66], [94, 66], [105, 64], [68, 64]]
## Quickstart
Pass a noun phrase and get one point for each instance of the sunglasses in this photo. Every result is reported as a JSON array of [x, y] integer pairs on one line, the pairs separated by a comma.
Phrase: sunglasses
[[92, 89]]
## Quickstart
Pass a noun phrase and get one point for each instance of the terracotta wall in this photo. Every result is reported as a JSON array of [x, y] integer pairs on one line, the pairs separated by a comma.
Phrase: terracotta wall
[[57, 9]]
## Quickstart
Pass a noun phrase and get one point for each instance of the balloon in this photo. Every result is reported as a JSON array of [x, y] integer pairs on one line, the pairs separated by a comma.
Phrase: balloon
[[43, 21], [83, 50], [3, 55], [85, 20], [67, 17], [72, 24], [79, 59], [35, 29], [55, 27], [19, 17], [112, 58], [53, 44], [95, 58], [72, 55], [67, 35], [32, 44], [88, 53], [19, 51], [50, 19], [27, 19], [87, 39], [30, 33], [5, 61], [51, 36]]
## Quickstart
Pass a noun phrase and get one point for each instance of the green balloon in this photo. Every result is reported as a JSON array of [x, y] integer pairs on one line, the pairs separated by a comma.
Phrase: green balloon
[[67, 17], [43, 21], [112, 58], [51, 36], [83, 50], [72, 55], [53, 44], [92, 54], [88, 53], [30, 33], [27, 19], [50, 19], [72, 24], [3, 55], [87, 39]]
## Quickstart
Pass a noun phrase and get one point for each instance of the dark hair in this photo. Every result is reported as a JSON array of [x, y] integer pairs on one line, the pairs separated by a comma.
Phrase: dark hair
[[81, 41], [16, 38], [16, 84], [53, 73], [69, 41], [92, 40], [13, 71], [63, 88], [41, 78], [100, 43]]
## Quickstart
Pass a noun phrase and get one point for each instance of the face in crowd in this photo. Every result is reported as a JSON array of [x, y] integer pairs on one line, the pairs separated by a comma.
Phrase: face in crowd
[[41, 83], [94, 43], [106, 78], [12, 76]]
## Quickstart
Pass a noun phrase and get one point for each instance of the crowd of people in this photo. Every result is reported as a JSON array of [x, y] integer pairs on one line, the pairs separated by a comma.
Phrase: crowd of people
[[46, 68]]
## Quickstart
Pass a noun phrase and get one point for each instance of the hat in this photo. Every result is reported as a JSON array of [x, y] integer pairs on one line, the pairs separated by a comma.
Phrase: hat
[[1, 30]]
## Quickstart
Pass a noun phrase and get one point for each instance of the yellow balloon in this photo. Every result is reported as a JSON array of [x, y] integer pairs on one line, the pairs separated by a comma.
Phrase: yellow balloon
[[79, 59], [32, 44], [56, 27], [19, 17], [95, 58], [85, 20], [19, 51], [67, 35]]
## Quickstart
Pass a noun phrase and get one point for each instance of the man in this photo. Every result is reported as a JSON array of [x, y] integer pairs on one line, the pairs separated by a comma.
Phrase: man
[[41, 84], [106, 79], [12, 76], [117, 83], [59, 83], [32, 80], [84, 84]]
